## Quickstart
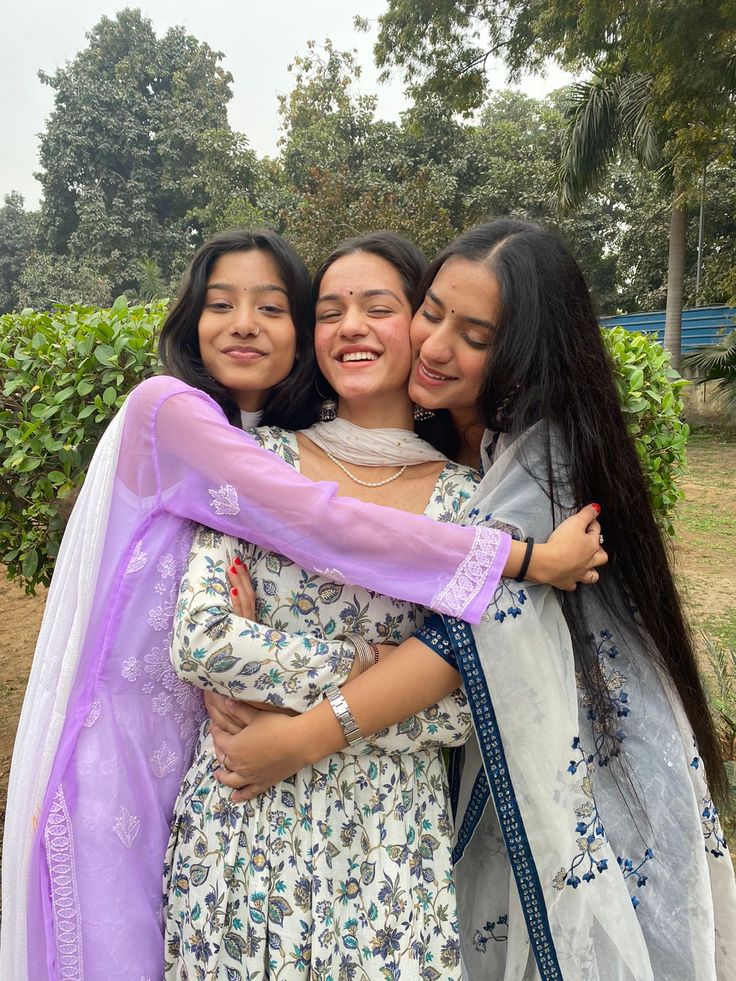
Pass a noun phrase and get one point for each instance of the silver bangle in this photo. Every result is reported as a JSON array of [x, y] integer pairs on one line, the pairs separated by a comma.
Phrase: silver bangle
[[365, 650], [350, 728]]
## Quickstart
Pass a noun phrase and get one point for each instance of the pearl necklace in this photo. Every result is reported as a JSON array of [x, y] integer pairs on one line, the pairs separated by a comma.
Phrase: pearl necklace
[[364, 483]]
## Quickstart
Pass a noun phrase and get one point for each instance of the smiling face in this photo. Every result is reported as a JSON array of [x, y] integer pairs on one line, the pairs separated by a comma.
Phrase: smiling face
[[247, 338], [451, 337], [362, 335]]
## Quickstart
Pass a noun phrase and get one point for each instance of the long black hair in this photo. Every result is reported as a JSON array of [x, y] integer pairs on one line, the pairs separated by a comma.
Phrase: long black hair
[[547, 361], [411, 265], [292, 403]]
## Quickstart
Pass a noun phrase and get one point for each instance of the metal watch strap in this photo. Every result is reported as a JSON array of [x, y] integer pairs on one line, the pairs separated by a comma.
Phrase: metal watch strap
[[351, 729]]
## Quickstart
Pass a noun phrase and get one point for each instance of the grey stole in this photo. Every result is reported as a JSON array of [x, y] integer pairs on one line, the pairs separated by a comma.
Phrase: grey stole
[[571, 865]]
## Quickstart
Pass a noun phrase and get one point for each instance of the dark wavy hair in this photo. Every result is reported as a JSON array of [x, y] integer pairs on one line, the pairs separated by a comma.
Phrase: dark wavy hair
[[292, 403], [548, 361], [411, 264]]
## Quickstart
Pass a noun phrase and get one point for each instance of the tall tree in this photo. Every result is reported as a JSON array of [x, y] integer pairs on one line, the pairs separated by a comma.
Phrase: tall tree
[[324, 118], [17, 241], [680, 55], [345, 173], [131, 113]]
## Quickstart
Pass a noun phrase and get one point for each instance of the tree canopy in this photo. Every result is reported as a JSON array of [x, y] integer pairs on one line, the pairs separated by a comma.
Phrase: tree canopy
[[121, 151], [139, 164], [443, 46]]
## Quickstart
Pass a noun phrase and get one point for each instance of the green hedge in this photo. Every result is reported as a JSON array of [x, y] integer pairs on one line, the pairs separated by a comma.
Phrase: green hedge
[[65, 375], [649, 390], [66, 372]]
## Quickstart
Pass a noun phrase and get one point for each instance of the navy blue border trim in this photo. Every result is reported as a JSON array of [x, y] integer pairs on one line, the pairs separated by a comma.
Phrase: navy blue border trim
[[479, 796], [504, 798]]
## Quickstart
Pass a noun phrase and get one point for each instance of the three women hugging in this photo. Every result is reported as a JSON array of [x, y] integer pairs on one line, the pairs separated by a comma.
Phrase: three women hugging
[[292, 569]]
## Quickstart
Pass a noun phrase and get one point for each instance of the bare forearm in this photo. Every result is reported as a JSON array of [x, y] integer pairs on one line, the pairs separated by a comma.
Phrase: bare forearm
[[408, 680]]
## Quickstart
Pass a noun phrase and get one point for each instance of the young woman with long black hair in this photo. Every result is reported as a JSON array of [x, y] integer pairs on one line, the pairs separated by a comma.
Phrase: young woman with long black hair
[[602, 856]]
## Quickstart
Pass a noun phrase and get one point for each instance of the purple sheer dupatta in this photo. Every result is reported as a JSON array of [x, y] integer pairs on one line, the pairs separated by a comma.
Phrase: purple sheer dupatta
[[84, 845]]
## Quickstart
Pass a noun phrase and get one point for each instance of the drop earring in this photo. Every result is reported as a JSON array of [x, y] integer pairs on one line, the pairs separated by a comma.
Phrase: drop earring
[[328, 408]]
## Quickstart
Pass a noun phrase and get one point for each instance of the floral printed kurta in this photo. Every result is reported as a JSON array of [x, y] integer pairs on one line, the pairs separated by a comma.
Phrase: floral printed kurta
[[344, 871]]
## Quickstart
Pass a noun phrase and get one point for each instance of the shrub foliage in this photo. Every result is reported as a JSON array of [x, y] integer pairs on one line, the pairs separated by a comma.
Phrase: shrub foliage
[[66, 373], [649, 390]]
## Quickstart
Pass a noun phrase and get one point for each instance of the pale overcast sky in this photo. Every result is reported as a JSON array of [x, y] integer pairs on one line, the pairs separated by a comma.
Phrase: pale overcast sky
[[258, 41]]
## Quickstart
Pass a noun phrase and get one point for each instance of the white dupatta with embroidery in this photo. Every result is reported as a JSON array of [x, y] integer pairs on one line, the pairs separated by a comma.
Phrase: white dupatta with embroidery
[[570, 865]]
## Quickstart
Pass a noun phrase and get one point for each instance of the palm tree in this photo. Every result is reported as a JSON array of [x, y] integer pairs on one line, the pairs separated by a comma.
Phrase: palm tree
[[151, 285], [608, 114], [717, 362]]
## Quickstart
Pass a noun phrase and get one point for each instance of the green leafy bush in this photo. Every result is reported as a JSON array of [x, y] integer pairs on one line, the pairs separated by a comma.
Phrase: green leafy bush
[[649, 390], [65, 374]]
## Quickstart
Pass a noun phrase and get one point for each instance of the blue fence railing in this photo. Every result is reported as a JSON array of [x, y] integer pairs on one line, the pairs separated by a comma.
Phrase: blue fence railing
[[700, 325]]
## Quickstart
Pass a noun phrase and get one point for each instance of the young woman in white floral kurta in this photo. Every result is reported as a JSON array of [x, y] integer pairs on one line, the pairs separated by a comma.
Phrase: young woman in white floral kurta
[[344, 870]]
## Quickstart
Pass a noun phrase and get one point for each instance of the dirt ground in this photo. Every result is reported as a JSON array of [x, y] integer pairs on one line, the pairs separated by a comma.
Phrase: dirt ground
[[705, 554]]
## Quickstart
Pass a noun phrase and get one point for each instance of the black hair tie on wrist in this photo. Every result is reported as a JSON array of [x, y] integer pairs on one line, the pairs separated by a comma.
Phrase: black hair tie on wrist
[[527, 559]]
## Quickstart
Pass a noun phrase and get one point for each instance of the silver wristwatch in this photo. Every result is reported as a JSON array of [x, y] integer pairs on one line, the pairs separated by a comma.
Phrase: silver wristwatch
[[351, 730]]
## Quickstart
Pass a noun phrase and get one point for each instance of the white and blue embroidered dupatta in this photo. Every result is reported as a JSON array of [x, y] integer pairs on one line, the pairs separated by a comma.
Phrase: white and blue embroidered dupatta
[[566, 866]]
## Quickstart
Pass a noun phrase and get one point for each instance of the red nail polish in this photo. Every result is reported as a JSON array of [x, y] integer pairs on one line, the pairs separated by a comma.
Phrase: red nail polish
[[596, 508], [237, 560], [233, 570], [234, 592]]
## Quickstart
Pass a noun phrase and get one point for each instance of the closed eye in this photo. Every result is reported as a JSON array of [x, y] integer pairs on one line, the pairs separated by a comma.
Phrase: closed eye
[[478, 345]]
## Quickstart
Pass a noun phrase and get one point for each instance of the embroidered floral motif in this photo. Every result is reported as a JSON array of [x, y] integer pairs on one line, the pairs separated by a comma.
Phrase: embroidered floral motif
[[492, 931], [715, 842], [93, 714], [126, 826], [163, 761], [589, 828], [155, 672], [160, 617], [629, 871], [458, 594], [166, 566], [137, 560], [224, 500], [131, 669], [162, 704], [498, 608]]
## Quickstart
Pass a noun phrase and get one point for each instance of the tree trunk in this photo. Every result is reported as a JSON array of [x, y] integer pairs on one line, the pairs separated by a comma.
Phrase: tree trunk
[[675, 278]]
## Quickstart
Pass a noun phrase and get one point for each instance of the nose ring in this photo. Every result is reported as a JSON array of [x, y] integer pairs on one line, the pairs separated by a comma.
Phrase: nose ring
[[256, 332]]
